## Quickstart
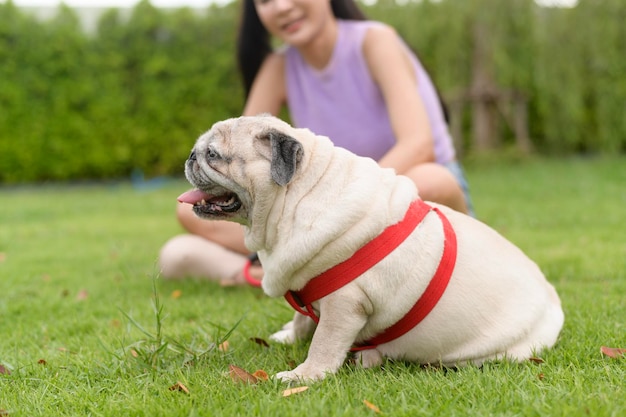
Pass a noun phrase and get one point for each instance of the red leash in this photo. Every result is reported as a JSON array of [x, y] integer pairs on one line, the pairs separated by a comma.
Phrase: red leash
[[368, 256], [246, 270]]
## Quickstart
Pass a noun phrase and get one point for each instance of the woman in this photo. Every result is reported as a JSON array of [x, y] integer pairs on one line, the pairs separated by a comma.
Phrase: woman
[[341, 76]]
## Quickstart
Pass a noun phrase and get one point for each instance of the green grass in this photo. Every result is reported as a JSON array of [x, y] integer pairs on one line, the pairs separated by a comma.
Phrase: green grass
[[81, 335]]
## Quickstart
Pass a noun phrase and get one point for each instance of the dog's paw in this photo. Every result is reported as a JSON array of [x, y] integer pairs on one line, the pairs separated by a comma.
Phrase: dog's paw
[[302, 373], [368, 358], [285, 336]]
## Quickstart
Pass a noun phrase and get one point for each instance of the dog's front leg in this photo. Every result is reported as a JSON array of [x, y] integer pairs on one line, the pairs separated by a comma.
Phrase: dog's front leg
[[341, 320]]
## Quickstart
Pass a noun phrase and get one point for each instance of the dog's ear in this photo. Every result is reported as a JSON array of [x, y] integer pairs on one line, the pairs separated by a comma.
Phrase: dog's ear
[[286, 154]]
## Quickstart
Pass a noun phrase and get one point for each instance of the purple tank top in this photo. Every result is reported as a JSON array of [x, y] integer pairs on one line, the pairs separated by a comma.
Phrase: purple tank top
[[343, 102]]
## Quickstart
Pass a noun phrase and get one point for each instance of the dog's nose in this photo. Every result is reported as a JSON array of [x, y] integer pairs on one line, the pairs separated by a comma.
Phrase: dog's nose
[[192, 156]]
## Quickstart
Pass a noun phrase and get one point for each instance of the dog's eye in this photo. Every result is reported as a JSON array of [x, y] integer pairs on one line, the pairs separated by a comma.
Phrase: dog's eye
[[211, 154]]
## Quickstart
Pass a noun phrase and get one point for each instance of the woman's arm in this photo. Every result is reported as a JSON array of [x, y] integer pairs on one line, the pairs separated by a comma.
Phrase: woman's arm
[[391, 68], [268, 94]]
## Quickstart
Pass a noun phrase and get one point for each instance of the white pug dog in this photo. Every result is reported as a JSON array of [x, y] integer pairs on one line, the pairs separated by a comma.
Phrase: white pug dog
[[308, 206]]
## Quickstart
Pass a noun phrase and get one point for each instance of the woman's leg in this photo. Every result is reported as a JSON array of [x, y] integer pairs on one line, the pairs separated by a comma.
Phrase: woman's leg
[[194, 256], [436, 183], [212, 249], [222, 232]]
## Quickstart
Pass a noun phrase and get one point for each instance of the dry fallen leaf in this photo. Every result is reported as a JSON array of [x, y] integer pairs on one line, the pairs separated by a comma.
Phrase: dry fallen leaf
[[4, 370], [260, 341], [179, 386], [296, 390], [536, 360], [224, 346], [541, 376], [614, 353], [371, 406], [241, 376], [261, 375], [42, 362], [176, 294], [134, 353], [4, 413]]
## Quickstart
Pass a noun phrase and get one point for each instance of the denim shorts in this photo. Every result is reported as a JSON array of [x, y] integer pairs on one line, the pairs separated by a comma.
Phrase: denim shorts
[[455, 168]]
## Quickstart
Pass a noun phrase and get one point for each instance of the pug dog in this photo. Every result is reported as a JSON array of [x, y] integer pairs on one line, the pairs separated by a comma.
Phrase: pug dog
[[308, 207]]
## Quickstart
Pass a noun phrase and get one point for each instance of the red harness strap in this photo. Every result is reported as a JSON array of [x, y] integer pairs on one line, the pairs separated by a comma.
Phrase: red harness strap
[[368, 256]]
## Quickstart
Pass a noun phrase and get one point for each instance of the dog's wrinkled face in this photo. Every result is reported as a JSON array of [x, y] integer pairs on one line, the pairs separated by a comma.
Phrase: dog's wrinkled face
[[238, 163]]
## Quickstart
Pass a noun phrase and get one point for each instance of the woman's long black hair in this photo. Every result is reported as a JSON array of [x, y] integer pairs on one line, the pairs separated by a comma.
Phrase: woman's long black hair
[[254, 41]]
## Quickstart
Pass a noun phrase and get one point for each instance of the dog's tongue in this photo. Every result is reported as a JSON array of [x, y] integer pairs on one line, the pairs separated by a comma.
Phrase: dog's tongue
[[193, 196]]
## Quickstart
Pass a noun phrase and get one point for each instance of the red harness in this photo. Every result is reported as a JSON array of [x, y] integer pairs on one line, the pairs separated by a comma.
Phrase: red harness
[[368, 256]]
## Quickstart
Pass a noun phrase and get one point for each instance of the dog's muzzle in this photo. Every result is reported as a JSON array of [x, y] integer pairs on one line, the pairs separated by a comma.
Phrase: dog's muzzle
[[207, 203]]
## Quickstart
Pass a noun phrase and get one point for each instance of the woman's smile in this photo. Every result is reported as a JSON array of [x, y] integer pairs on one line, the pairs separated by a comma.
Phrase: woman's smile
[[293, 26]]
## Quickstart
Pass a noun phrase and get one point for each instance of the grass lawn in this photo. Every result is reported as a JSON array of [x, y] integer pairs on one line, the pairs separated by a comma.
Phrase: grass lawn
[[80, 334]]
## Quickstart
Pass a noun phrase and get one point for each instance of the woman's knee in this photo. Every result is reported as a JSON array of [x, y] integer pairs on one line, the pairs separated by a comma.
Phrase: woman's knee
[[174, 257], [436, 183], [191, 255]]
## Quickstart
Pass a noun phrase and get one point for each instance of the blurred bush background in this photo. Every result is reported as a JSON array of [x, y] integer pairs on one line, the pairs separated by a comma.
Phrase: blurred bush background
[[133, 95]]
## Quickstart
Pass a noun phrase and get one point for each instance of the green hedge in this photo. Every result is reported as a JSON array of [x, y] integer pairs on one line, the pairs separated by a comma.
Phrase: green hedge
[[136, 94], [570, 63]]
